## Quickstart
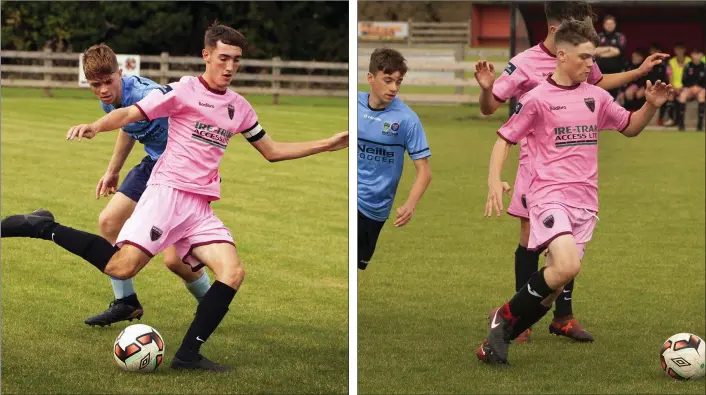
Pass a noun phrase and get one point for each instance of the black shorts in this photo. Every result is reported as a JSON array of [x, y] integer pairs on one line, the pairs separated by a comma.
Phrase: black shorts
[[135, 183], [368, 233]]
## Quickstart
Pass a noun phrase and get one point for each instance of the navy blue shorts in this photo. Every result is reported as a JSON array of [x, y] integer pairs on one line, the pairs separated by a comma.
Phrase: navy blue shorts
[[135, 183]]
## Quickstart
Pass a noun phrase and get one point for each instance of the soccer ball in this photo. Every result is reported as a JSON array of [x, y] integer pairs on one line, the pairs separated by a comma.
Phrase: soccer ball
[[682, 357], [139, 348]]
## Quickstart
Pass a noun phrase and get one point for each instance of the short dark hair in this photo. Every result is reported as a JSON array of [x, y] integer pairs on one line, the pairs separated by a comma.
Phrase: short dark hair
[[640, 51], [679, 44], [576, 32], [561, 11], [99, 61], [609, 18], [225, 34], [696, 50], [656, 45], [388, 61]]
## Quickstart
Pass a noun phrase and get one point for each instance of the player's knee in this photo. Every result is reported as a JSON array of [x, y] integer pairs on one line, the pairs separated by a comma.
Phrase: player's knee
[[568, 270], [121, 272], [109, 224], [233, 276]]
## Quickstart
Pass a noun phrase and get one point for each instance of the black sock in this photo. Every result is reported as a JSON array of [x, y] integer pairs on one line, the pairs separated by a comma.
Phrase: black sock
[[530, 296], [702, 109], [672, 105], [131, 300], [663, 109], [526, 264], [563, 301], [681, 108], [525, 322], [209, 313], [93, 248]]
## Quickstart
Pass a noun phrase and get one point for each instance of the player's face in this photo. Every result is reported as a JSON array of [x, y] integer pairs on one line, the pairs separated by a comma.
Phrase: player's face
[[107, 88], [609, 25], [696, 57], [385, 86], [576, 61], [679, 51], [637, 58], [222, 62]]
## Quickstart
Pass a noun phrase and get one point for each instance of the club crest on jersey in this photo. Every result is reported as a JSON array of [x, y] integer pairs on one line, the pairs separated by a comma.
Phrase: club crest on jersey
[[231, 111], [386, 126], [395, 126], [518, 107], [549, 221], [165, 89], [155, 233], [510, 68], [590, 103]]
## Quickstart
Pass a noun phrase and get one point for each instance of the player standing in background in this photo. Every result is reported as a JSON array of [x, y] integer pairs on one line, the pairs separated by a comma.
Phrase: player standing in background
[[566, 115], [659, 72], [634, 92], [175, 208], [675, 70], [610, 55], [694, 88], [386, 129], [525, 71], [100, 66]]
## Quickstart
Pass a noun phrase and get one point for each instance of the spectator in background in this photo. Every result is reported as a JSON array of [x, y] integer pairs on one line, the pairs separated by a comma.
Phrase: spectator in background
[[659, 72], [634, 92], [610, 53], [675, 69], [694, 81]]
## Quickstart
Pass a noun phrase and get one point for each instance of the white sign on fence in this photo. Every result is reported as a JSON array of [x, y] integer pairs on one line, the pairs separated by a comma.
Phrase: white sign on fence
[[130, 64], [377, 31]]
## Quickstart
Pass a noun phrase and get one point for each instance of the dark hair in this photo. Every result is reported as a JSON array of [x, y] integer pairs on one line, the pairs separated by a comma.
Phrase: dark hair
[[225, 34], [99, 61], [576, 32], [696, 50], [641, 51], [609, 18], [679, 44], [655, 45], [388, 61], [561, 11]]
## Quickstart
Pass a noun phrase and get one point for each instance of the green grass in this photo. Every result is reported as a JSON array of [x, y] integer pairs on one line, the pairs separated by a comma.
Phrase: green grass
[[424, 299], [287, 329]]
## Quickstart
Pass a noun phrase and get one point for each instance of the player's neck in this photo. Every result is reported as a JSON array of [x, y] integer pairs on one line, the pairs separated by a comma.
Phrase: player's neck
[[119, 96], [562, 79], [212, 85], [375, 103], [549, 44]]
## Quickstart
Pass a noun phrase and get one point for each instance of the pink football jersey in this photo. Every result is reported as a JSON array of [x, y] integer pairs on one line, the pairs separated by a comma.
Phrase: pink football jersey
[[565, 122], [524, 72], [201, 123]]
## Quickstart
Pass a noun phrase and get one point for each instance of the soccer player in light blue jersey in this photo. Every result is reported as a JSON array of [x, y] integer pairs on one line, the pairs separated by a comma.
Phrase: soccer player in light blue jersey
[[100, 65], [386, 129]]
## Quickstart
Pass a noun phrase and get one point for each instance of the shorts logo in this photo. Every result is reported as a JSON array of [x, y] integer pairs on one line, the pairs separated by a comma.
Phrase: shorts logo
[[155, 233], [524, 201], [590, 103], [510, 68], [395, 126], [549, 221], [231, 111]]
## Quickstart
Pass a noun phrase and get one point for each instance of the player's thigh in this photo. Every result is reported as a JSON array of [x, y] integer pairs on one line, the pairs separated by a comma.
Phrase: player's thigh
[[685, 95], [564, 255], [701, 95], [174, 263], [524, 231], [116, 212], [127, 262], [223, 260]]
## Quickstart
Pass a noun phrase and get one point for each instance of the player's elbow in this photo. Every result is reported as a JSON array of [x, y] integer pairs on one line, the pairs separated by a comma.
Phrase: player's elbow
[[273, 156]]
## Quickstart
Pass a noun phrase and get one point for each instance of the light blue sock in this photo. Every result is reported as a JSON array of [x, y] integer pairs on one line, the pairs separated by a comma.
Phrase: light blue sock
[[199, 287], [122, 288]]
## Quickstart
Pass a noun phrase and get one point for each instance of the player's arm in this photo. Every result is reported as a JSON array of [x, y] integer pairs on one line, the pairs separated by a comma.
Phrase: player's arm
[[655, 96], [111, 121], [108, 184], [616, 80], [496, 92], [607, 52], [421, 183], [275, 151]]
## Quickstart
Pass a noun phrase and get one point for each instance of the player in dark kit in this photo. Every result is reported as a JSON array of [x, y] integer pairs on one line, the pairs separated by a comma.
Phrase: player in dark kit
[[694, 80], [634, 92], [659, 72], [610, 54]]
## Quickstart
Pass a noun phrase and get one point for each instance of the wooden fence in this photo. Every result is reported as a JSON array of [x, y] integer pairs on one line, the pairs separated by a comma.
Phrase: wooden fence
[[46, 69], [439, 33]]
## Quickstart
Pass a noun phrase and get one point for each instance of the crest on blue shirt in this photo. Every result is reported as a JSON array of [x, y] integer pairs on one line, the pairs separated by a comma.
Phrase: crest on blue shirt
[[395, 126], [386, 126], [231, 111], [590, 103]]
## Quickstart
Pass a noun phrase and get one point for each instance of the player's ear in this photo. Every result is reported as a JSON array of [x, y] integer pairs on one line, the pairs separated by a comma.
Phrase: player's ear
[[205, 53], [120, 73], [370, 77]]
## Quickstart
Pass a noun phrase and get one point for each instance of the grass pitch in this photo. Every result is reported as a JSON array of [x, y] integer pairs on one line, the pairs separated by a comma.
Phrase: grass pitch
[[424, 299], [287, 328]]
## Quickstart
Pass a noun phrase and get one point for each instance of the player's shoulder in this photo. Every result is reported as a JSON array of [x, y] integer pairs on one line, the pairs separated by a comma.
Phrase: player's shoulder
[[138, 87], [362, 98], [406, 112]]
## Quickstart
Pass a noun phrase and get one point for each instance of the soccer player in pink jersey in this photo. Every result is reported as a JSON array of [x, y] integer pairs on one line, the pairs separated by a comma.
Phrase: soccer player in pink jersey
[[565, 115], [174, 210], [524, 72]]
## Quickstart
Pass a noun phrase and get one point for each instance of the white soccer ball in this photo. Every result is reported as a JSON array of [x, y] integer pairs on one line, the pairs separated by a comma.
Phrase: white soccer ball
[[682, 357], [139, 348]]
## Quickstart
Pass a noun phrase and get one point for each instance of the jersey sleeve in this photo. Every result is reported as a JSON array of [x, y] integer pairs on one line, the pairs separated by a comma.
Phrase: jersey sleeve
[[510, 83], [522, 121], [416, 141], [613, 115], [162, 102], [595, 75], [250, 127], [622, 41]]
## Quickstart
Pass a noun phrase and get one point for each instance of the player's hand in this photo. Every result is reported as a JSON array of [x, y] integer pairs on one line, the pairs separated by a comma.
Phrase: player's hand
[[495, 196], [81, 131], [404, 215], [485, 74], [107, 185], [653, 60], [658, 93], [338, 141]]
